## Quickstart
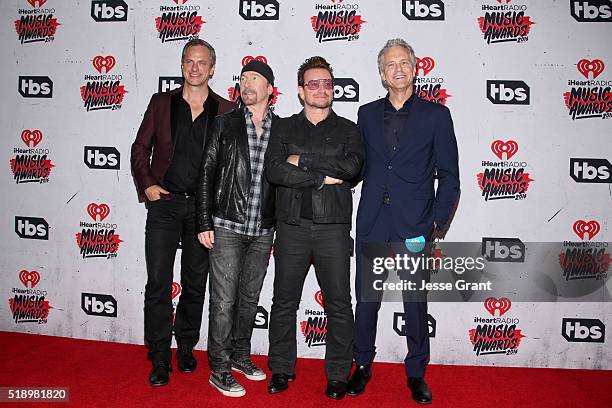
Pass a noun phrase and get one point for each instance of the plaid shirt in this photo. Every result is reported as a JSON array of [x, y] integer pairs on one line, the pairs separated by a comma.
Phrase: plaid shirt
[[257, 151]]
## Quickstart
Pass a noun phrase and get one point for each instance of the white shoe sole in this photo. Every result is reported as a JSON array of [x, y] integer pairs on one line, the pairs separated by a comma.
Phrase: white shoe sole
[[249, 376], [233, 394]]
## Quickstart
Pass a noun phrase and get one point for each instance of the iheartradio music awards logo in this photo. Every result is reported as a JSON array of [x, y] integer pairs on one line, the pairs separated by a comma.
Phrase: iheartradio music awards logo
[[586, 259], [338, 21], [36, 24], [176, 293], [504, 179], [498, 334], [103, 91], [589, 98], [428, 87], [32, 164], [314, 328], [233, 92], [29, 305], [98, 239], [505, 22], [178, 22]]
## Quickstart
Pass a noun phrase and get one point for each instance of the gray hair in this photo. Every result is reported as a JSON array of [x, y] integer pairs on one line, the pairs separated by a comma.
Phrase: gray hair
[[396, 42], [199, 41]]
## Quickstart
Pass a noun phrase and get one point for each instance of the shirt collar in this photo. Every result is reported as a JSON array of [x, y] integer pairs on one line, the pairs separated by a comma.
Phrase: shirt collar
[[329, 119], [405, 107]]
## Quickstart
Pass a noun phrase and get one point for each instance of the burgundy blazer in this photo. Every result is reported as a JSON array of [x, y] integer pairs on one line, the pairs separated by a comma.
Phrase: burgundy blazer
[[153, 148]]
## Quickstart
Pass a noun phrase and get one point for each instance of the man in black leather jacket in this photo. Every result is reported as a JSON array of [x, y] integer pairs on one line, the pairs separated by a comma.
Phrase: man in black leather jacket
[[235, 211], [312, 160]]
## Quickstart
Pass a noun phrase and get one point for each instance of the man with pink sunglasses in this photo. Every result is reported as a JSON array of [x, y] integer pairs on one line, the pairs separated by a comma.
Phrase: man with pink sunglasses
[[312, 161]]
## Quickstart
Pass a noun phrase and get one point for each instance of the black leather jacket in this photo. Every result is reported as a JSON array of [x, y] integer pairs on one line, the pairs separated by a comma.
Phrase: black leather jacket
[[225, 175], [336, 151]]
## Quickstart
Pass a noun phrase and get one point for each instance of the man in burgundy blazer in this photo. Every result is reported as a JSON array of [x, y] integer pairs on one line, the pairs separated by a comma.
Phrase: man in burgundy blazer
[[165, 160]]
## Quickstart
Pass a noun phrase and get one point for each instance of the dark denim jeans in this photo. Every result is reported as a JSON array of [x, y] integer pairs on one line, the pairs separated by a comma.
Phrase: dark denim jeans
[[170, 221], [238, 265], [328, 247]]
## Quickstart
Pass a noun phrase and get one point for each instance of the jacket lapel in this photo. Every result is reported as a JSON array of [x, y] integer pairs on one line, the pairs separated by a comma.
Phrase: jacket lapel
[[377, 136]]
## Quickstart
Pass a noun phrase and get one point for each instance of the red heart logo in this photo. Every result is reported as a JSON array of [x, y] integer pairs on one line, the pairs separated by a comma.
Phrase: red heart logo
[[180, 1], [581, 228], [426, 64], [319, 298], [32, 277], [40, 2], [585, 66], [95, 210], [492, 304], [176, 289], [31, 137], [107, 63], [509, 148], [249, 58]]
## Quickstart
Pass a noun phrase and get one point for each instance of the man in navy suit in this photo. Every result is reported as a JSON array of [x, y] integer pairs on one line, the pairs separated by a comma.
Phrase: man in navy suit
[[408, 143]]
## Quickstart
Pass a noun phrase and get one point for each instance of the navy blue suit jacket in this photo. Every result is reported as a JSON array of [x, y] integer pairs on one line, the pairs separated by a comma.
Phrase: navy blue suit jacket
[[427, 146]]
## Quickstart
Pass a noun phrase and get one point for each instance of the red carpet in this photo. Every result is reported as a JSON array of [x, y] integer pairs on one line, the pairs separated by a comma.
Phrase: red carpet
[[109, 375]]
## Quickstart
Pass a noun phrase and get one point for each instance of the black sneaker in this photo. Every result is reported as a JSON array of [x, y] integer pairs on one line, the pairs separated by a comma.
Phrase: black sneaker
[[226, 384], [250, 370]]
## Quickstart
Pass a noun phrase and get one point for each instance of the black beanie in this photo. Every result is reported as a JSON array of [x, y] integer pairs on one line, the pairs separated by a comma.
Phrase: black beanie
[[261, 68]]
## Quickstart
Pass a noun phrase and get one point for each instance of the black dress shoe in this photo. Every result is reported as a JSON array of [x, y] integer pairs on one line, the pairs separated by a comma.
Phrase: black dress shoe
[[278, 382], [359, 380], [160, 373], [335, 389], [419, 389], [185, 359]]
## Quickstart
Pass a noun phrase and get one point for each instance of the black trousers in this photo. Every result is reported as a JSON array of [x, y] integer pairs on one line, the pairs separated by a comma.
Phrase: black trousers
[[328, 247], [170, 222]]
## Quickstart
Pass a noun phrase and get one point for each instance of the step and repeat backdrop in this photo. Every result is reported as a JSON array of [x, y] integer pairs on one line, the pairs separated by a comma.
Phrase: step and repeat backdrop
[[528, 84]]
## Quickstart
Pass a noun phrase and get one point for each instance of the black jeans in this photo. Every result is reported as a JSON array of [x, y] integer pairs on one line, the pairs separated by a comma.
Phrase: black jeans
[[328, 246], [238, 265], [170, 221]]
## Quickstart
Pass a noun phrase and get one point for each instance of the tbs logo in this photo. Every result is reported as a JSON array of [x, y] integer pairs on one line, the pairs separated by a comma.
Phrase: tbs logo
[[261, 318], [167, 84], [346, 90], [503, 249], [508, 92], [583, 330], [100, 157], [32, 228], [95, 304], [259, 9], [591, 11], [109, 10], [423, 9], [591, 170], [399, 324], [35, 87]]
